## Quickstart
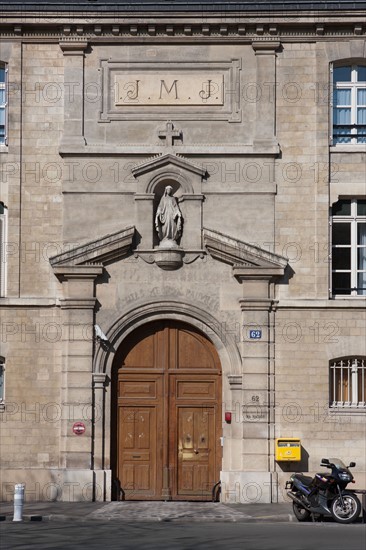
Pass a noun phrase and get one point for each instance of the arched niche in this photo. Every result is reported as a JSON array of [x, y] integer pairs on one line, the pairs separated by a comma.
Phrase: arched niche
[[186, 180], [158, 191]]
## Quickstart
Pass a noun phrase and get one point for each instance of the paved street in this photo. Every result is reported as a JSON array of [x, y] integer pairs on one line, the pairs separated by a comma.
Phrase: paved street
[[110, 535]]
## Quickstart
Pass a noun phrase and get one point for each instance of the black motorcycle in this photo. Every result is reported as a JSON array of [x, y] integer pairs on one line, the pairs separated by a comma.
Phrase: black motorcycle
[[325, 494]]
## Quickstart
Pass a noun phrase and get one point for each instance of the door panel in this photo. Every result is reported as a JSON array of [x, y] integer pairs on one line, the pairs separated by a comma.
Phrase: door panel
[[194, 351], [169, 417], [196, 389], [196, 447], [138, 464]]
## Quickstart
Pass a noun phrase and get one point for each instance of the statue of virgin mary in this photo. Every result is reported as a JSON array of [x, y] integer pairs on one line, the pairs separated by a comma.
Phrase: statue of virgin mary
[[168, 219]]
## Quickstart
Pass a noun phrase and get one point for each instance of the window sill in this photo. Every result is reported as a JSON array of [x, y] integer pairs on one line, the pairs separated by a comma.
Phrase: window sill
[[348, 148], [347, 409], [347, 297], [3, 148]]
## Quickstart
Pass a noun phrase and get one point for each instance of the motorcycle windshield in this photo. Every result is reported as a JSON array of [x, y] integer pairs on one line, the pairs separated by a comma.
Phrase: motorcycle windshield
[[338, 463]]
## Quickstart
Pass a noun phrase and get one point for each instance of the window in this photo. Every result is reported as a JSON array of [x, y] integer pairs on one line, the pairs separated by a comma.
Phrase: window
[[348, 382], [3, 105], [2, 381], [3, 239], [349, 247], [349, 104]]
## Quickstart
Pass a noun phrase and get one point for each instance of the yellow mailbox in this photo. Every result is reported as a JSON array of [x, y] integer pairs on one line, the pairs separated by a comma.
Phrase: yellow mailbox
[[288, 449]]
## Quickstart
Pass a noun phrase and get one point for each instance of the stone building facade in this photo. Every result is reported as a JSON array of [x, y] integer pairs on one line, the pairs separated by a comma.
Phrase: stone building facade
[[183, 246]]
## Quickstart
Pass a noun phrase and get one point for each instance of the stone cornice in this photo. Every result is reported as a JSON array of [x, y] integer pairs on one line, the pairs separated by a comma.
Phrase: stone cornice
[[73, 47], [242, 256], [106, 249], [126, 150], [266, 47], [78, 303], [83, 272], [253, 304], [158, 29], [158, 162]]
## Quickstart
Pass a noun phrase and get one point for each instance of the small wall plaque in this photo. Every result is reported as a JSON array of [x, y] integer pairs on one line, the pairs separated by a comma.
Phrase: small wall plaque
[[255, 334]]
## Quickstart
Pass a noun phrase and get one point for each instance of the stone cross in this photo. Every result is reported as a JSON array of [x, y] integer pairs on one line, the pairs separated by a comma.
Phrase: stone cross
[[169, 134]]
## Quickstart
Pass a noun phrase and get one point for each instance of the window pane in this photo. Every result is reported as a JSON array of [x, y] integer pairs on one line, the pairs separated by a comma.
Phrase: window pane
[[361, 115], [341, 233], [341, 258], [361, 73], [361, 254], [361, 96], [342, 74], [341, 208], [342, 115], [2, 116], [342, 97], [2, 383], [2, 96], [361, 384], [361, 234], [361, 208], [2, 74], [361, 284], [361, 258], [341, 283]]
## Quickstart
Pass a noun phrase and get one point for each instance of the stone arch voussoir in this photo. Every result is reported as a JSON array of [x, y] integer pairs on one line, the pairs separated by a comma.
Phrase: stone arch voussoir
[[225, 344]]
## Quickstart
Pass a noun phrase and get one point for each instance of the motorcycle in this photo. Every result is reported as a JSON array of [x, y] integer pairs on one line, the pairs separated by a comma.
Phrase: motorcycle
[[325, 494]]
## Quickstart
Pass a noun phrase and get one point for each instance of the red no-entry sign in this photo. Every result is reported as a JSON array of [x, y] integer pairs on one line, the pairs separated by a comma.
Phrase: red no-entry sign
[[78, 428]]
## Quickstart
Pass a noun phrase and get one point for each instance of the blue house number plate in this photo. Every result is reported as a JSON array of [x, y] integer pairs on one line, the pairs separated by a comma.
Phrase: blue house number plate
[[255, 334]]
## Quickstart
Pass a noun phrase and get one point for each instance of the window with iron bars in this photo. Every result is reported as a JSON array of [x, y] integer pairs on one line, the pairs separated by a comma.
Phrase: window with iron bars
[[348, 382]]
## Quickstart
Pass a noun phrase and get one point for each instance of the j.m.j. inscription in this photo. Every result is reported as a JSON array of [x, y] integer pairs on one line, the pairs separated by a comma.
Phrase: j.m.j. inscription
[[169, 89]]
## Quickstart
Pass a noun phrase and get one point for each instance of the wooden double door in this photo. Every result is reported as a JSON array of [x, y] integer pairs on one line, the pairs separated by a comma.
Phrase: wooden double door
[[168, 421]]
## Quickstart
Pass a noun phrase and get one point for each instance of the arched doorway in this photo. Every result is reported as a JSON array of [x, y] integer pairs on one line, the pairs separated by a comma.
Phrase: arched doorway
[[166, 413]]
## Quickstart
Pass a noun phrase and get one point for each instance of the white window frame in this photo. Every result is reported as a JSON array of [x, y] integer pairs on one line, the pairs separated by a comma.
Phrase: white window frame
[[353, 220], [350, 369], [353, 85], [4, 105], [3, 242]]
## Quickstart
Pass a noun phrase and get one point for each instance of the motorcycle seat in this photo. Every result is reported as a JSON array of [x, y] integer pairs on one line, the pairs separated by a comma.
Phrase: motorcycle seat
[[305, 480]]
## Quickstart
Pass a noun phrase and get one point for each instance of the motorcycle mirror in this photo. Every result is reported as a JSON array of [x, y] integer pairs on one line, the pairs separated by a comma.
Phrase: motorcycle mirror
[[352, 464], [325, 461]]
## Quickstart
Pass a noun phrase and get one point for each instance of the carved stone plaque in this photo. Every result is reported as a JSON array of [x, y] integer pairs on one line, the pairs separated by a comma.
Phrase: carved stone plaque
[[169, 89], [192, 90]]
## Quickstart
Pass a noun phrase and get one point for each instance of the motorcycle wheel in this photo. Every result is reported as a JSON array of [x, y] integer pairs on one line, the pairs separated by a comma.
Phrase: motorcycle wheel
[[347, 513], [300, 513]]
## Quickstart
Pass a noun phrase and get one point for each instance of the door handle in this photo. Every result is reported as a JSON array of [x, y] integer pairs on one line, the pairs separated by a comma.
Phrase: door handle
[[196, 452]]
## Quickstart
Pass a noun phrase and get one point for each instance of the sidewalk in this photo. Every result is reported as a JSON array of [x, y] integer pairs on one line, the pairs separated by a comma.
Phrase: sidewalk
[[150, 511]]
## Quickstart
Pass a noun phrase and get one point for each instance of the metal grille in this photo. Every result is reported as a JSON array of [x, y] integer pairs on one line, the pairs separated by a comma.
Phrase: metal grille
[[348, 382]]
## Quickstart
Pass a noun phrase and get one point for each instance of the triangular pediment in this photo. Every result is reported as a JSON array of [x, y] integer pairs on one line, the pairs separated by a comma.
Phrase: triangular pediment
[[169, 159], [105, 249], [240, 254]]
